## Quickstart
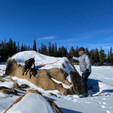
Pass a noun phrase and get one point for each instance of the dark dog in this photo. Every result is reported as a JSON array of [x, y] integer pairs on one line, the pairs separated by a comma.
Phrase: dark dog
[[28, 65]]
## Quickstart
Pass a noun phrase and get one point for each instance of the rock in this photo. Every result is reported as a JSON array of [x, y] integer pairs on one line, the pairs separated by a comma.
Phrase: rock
[[33, 91], [76, 83], [15, 85], [36, 103], [10, 78], [6, 90], [53, 94], [43, 77], [58, 110], [20, 87], [59, 75], [24, 86], [2, 80]]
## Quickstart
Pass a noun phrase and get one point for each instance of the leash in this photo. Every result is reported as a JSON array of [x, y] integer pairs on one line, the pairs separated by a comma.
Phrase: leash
[[48, 63]]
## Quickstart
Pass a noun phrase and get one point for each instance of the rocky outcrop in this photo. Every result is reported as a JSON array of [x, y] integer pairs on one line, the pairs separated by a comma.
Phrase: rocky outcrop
[[43, 77], [53, 105], [6, 90]]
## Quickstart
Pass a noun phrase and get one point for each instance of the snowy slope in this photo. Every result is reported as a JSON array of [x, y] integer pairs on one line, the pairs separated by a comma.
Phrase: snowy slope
[[100, 98], [32, 103], [43, 61]]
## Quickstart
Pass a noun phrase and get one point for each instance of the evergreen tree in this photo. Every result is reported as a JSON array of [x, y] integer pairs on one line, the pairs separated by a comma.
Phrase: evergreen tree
[[60, 52], [3, 52], [64, 51], [28, 48], [72, 52], [92, 56], [55, 50], [87, 51], [34, 46], [108, 58], [77, 51], [39, 50], [102, 56], [43, 49], [111, 56], [18, 47], [96, 56], [50, 49], [14, 48], [23, 47], [9, 48]]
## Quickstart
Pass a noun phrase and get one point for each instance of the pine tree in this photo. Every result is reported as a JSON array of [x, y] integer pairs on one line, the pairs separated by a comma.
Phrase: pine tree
[[18, 47], [14, 48], [34, 46], [64, 51], [28, 48], [52, 50], [72, 52], [102, 56], [43, 49], [87, 51], [10, 47], [23, 47], [111, 56], [55, 50], [108, 58], [96, 56], [77, 51], [92, 57], [60, 52], [49, 49]]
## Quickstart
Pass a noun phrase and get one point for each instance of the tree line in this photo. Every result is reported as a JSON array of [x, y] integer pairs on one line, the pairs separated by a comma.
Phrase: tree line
[[98, 57]]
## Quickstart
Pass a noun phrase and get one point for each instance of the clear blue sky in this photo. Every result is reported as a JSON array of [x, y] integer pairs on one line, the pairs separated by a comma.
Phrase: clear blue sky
[[87, 23]]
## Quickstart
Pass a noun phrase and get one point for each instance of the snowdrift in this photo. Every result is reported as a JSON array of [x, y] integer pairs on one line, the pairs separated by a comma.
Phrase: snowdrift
[[51, 73], [32, 103], [43, 61]]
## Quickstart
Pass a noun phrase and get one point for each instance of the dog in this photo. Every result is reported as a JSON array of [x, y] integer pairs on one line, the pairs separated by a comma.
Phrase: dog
[[28, 65]]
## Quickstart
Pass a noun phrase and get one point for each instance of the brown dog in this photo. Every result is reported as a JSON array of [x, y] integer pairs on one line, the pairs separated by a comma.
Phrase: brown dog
[[28, 65]]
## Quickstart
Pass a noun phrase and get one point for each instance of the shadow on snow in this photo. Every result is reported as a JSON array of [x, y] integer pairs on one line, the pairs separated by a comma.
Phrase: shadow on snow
[[69, 111], [94, 85]]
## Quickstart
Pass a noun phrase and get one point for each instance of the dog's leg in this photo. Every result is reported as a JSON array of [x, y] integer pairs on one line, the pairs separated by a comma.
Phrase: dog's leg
[[23, 70], [27, 71], [30, 74]]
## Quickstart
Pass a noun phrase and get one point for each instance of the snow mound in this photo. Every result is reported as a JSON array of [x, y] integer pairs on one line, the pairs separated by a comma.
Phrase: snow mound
[[32, 103], [43, 61]]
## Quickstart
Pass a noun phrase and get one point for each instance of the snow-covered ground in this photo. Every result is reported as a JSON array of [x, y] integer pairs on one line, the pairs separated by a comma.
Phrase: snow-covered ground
[[32, 103], [100, 98]]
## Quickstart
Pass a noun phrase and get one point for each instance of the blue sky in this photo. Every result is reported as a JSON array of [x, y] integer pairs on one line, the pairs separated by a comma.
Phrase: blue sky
[[87, 23]]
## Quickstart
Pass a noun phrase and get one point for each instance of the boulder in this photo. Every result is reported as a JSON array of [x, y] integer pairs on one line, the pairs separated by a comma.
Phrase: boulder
[[33, 103], [43, 77]]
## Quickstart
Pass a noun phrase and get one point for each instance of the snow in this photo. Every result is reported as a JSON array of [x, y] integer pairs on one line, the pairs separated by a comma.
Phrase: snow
[[32, 103], [100, 98], [52, 62], [64, 85]]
